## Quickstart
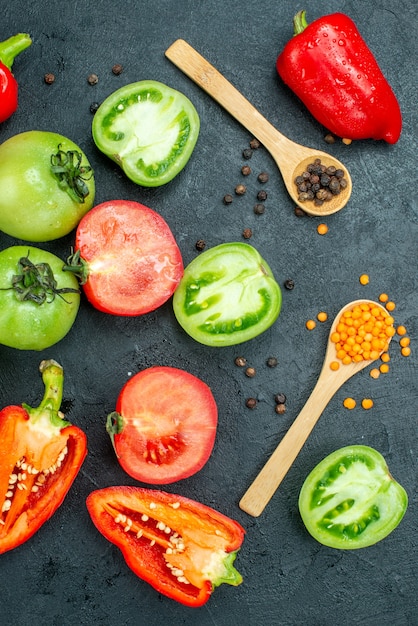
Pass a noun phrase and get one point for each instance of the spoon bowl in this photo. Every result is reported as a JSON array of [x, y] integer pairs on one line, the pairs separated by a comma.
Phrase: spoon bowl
[[265, 484], [290, 157]]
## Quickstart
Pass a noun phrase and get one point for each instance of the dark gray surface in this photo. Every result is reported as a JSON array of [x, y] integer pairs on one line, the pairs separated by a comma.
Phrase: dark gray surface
[[68, 574]]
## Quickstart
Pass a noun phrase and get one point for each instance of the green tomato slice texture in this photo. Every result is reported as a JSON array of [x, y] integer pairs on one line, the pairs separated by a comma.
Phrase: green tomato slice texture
[[227, 295], [148, 129], [350, 500]]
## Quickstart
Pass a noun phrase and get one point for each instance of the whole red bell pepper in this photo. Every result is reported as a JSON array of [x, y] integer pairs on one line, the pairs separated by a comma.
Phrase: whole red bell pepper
[[183, 548], [9, 49], [40, 455], [329, 67]]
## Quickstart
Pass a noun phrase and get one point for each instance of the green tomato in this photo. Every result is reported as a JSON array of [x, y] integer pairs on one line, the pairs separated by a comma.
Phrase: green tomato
[[227, 295], [350, 500], [38, 300], [46, 186], [148, 129]]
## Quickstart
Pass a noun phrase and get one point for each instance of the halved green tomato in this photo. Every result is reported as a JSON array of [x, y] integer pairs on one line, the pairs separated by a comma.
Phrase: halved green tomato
[[148, 129], [350, 500], [227, 295]]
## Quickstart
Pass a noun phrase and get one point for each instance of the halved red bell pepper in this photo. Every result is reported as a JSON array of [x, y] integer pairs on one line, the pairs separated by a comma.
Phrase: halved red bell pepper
[[181, 547], [9, 49], [40, 455], [329, 66]]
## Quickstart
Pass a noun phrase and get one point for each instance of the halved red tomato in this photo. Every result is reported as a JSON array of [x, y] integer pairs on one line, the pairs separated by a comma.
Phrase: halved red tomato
[[164, 426], [126, 258]]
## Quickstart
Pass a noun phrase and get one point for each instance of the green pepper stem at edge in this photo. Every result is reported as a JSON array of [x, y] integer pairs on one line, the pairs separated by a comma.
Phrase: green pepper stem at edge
[[53, 379], [299, 23], [10, 48]]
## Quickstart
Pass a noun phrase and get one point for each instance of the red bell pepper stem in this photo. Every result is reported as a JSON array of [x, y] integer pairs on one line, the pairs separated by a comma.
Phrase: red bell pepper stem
[[299, 23], [10, 48]]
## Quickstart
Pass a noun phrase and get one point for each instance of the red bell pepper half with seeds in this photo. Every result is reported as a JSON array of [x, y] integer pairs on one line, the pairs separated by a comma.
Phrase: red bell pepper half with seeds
[[182, 548], [40, 456]]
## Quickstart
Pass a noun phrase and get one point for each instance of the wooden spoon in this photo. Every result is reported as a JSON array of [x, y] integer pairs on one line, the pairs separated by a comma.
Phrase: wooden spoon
[[291, 158], [263, 487]]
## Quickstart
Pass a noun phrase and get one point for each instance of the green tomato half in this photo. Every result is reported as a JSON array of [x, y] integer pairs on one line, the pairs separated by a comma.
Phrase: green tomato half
[[148, 129], [38, 300], [227, 295], [350, 500], [46, 186]]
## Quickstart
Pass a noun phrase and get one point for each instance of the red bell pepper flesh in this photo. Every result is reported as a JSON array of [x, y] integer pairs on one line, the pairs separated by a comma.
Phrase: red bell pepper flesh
[[9, 49], [40, 456], [181, 547], [329, 66]]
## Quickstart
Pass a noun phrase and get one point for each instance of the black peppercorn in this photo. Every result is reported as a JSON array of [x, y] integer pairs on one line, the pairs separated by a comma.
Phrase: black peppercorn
[[263, 177], [245, 170], [200, 244], [247, 233], [247, 153], [280, 398], [250, 372], [241, 361], [228, 198], [93, 107], [289, 284], [280, 409], [271, 361], [255, 144], [49, 78], [93, 79], [117, 69], [240, 190], [251, 403], [259, 209], [262, 195]]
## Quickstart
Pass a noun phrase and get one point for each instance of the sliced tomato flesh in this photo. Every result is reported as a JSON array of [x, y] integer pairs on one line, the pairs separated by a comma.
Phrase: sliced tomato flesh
[[164, 427], [134, 263]]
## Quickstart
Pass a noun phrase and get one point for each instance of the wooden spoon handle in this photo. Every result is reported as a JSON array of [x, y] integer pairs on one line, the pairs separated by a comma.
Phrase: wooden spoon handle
[[222, 91], [265, 484]]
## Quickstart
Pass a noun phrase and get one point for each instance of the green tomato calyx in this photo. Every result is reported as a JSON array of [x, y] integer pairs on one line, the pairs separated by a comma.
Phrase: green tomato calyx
[[71, 174], [36, 283]]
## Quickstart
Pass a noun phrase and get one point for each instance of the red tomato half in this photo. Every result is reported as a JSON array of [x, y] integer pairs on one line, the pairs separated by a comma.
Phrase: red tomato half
[[164, 426], [127, 258]]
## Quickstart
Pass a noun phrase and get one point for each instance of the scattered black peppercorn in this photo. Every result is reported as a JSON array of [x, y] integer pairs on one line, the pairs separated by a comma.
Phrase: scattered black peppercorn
[[259, 209], [117, 69], [250, 372], [299, 212], [263, 177], [49, 78], [329, 138], [240, 190], [247, 233], [93, 107], [251, 403], [241, 361], [245, 170], [280, 398], [271, 361], [255, 144], [262, 195], [289, 284], [280, 409], [200, 245], [93, 79], [228, 198], [247, 153]]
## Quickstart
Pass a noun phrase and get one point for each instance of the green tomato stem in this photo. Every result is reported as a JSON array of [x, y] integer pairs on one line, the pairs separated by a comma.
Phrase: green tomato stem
[[10, 48]]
